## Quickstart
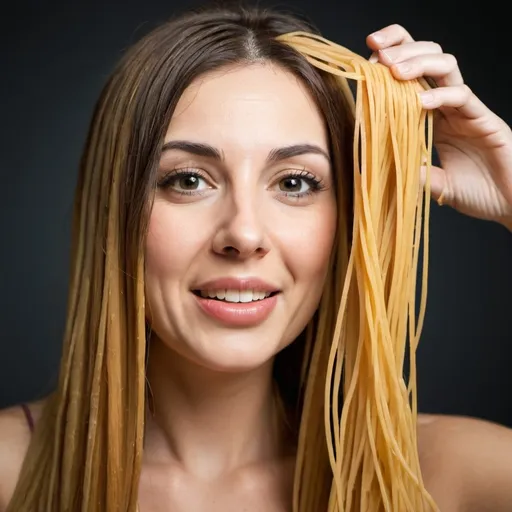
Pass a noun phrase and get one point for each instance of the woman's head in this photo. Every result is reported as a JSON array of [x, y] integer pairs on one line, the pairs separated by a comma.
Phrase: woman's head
[[224, 99], [245, 188]]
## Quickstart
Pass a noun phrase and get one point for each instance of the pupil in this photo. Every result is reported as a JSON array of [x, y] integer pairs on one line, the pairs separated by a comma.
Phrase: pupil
[[189, 182], [291, 185]]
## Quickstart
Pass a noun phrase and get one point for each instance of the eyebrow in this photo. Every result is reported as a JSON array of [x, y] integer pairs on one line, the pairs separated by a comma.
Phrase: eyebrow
[[274, 156]]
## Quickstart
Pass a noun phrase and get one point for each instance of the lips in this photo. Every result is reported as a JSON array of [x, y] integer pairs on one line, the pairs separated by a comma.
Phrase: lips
[[237, 301]]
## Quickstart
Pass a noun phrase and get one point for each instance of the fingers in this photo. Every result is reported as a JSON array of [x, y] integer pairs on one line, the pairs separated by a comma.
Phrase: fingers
[[408, 59], [389, 36], [407, 51], [441, 66], [396, 54], [440, 187], [460, 97]]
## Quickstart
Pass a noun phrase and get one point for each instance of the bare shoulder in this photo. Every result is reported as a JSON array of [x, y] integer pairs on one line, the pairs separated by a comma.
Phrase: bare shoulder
[[14, 440], [466, 462]]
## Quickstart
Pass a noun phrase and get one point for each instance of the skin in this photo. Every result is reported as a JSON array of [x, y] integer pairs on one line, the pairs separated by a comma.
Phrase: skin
[[201, 372]]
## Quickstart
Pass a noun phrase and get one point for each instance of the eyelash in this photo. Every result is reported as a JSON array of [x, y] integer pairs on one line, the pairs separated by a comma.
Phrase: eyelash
[[314, 183]]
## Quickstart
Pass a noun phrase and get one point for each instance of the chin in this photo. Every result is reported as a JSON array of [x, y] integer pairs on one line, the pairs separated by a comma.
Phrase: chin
[[234, 352]]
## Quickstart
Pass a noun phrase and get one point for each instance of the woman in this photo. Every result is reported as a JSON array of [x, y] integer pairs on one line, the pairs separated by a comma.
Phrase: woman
[[213, 192]]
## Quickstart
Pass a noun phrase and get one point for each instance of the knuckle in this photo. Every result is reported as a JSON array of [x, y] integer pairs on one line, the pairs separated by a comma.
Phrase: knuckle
[[397, 28], [466, 91], [452, 60], [436, 47]]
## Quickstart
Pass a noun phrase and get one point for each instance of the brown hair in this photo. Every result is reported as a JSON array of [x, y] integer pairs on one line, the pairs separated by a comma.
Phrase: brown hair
[[86, 452]]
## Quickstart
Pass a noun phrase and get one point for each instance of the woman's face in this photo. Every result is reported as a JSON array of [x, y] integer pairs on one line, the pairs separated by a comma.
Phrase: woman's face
[[244, 219]]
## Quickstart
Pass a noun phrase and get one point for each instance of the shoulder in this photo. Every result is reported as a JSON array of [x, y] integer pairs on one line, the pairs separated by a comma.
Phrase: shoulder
[[466, 462], [14, 440]]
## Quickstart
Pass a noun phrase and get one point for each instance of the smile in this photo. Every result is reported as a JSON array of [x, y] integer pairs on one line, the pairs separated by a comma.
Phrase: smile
[[237, 302], [234, 296]]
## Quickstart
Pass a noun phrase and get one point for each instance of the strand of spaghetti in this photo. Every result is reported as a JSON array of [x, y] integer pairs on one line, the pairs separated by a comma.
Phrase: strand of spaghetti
[[352, 373], [370, 259], [398, 269], [426, 236], [371, 442], [354, 415], [316, 40], [333, 70], [336, 354], [426, 233], [369, 242], [328, 55], [376, 466], [412, 206], [348, 462]]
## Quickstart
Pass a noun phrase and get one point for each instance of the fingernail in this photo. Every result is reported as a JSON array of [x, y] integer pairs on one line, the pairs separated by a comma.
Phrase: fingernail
[[378, 37], [426, 97], [373, 58]]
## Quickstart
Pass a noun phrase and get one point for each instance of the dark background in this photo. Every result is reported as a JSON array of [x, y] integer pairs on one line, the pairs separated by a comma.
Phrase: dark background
[[56, 56]]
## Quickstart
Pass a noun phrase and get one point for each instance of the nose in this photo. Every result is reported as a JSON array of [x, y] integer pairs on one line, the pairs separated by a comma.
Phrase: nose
[[242, 232]]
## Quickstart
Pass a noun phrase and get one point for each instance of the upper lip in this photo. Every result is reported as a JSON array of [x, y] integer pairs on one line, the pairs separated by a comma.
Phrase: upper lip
[[237, 283]]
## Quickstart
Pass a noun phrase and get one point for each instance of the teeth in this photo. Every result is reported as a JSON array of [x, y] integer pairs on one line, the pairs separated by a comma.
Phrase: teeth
[[235, 295], [232, 296]]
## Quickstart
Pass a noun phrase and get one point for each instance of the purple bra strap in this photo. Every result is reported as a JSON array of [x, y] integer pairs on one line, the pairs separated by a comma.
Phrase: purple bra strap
[[28, 416]]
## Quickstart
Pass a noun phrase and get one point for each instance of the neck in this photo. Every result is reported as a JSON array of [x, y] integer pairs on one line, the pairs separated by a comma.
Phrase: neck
[[210, 422]]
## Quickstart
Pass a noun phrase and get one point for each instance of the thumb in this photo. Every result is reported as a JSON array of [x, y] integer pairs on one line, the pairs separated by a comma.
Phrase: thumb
[[438, 184]]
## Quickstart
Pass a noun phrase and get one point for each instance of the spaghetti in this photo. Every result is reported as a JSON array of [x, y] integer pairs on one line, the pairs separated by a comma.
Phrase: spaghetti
[[372, 442]]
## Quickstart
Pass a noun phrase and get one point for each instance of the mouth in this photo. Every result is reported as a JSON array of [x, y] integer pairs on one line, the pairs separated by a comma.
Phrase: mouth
[[235, 295], [237, 302]]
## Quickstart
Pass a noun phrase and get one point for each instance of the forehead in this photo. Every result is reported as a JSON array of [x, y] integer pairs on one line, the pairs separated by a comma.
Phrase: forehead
[[258, 104]]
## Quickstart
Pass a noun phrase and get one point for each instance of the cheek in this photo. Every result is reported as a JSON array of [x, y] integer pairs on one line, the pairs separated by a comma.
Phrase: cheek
[[307, 245], [173, 242], [161, 255]]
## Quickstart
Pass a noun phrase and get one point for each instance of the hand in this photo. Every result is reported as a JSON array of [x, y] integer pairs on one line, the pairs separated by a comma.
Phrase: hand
[[474, 145]]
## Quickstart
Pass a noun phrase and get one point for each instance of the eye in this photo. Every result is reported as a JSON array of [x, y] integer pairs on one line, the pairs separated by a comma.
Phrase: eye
[[188, 182], [298, 184], [184, 181], [294, 185]]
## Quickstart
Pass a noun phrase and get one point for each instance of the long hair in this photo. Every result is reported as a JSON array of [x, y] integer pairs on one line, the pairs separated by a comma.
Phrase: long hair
[[85, 455]]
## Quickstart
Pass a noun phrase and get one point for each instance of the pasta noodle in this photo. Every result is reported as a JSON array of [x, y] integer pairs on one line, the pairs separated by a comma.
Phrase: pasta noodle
[[372, 444]]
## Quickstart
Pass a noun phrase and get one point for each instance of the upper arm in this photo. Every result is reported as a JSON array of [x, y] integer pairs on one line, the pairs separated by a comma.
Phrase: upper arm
[[14, 441], [485, 453], [468, 463]]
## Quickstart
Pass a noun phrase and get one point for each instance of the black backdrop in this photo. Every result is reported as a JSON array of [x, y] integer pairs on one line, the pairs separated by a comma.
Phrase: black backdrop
[[55, 57]]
